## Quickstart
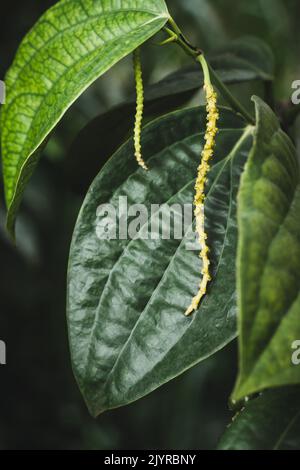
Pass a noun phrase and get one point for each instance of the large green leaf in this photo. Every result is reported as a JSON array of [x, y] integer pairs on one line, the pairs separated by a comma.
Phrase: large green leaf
[[242, 60], [126, 298], [73, 44], [268, 260], [270, 422]]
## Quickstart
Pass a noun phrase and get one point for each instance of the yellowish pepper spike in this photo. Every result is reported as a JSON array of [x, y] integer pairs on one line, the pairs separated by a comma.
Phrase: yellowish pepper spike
[[139, 108], [203, 169]]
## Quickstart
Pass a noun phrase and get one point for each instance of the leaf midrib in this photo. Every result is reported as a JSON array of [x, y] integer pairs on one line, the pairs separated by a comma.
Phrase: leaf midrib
[[257, 359], [20, 169], [222, 164], [90, 19], [165, 273], [128, 245]]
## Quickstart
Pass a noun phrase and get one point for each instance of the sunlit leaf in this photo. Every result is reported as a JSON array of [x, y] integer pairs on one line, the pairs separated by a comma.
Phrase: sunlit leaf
[[73, 44]]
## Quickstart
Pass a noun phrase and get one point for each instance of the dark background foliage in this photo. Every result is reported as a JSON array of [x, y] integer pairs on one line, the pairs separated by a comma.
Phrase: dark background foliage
[[40, 405]]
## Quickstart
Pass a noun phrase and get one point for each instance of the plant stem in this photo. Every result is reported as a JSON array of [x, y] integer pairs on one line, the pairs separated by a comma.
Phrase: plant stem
[[205, 68], [183, 42], [196, 53], [227, 95]]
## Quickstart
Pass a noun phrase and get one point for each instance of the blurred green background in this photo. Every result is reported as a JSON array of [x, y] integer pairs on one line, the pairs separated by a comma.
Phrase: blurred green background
[[40, 406]]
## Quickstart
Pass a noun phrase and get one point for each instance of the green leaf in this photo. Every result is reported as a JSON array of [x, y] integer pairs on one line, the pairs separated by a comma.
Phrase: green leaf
[[126, 298], [268, 260], [241, 60], [73, 44], [244, 59], [269, 422]]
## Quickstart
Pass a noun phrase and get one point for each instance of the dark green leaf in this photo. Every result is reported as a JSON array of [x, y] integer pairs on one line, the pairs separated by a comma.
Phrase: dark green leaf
[[73, 44], [269, 260], [247, 58], [269, 422], [126, 299]]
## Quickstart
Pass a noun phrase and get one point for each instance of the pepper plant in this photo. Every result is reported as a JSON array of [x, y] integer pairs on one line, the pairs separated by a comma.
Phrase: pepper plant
[[141, 311]]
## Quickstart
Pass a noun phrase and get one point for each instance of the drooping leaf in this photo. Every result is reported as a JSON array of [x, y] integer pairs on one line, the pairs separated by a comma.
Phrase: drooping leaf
[[269, 422], [126, 298], [242, 60], [73, 44], [268, 260]]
